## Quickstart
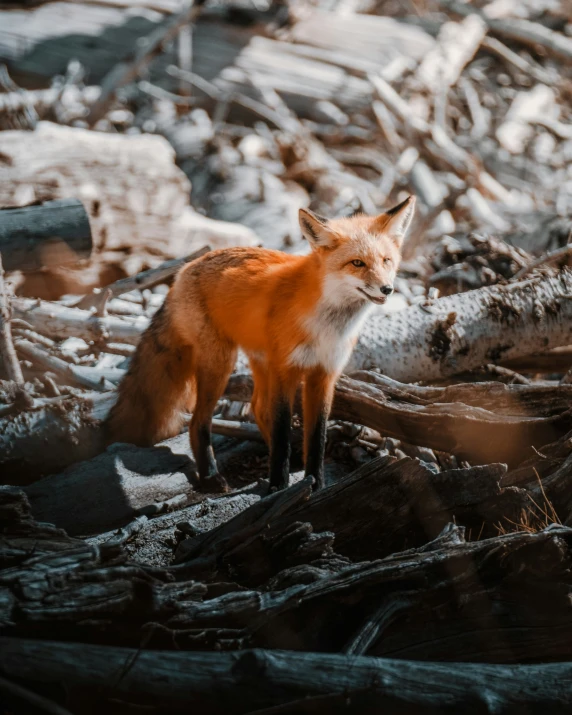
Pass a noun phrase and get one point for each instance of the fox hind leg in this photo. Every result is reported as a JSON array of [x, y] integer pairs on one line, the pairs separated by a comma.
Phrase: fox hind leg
[[211, 377], [259, 401], [282, 391]]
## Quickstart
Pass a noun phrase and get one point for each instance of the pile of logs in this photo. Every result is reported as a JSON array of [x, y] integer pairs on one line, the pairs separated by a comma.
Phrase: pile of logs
[[432, 574]]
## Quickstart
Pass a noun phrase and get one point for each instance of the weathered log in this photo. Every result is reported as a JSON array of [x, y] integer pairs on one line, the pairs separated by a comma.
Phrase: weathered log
[[479, 422], [50, 436], [48, 234], [242, 682], [140, 204], [461, 332], [411, 502]]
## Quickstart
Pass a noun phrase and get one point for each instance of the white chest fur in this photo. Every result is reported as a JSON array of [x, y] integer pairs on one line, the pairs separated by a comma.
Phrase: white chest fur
[[331, 332]]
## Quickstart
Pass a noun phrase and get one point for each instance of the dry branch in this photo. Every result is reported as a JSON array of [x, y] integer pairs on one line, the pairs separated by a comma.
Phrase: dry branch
[[60, 321], [7, 352]]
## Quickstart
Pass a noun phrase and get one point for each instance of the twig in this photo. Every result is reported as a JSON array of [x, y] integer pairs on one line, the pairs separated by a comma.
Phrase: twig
[[498, 48], [140, 281], [549, 257], [125, 72], [7, 351]]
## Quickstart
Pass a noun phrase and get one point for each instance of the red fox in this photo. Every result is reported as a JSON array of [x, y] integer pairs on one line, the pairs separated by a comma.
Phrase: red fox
[[296, 317]]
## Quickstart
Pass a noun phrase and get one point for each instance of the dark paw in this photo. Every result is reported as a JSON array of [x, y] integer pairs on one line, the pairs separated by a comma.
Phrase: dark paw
[[317, 483], [214, 484]]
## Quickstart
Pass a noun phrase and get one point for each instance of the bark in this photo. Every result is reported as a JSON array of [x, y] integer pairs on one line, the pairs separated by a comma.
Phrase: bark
[[462, 332], [48, 234]]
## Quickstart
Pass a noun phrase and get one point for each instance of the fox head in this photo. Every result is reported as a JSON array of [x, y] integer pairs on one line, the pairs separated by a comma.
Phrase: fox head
[[360, 254]]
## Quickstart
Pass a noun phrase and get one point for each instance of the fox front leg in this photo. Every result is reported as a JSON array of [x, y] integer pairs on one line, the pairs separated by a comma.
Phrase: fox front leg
[[318, 394]]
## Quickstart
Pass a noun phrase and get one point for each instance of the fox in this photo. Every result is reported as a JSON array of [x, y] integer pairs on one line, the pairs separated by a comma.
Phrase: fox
[[297, 318]]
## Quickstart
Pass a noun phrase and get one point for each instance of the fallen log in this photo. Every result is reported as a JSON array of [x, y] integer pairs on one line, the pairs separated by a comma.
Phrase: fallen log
[[51, 435], [48, 234], [248, 681], [479, 422], [462, 332]]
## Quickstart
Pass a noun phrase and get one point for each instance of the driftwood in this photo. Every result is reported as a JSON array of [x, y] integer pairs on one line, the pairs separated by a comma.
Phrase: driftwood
[[146, 279], [141, 203], [411, 502], [48, 234], [62, 322], [127, 71], [423, 603], [285, 682], [54, 433], [523, 31], [480, 422]]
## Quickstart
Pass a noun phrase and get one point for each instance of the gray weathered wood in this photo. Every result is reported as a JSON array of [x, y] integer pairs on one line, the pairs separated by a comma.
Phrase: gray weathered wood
[[48, 234], [249, 680]]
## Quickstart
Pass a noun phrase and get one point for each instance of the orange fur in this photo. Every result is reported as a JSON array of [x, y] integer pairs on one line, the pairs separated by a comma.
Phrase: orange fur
[[296, 317]]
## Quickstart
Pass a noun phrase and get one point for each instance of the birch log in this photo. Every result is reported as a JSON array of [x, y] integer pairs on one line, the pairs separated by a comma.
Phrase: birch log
[[461, 332]]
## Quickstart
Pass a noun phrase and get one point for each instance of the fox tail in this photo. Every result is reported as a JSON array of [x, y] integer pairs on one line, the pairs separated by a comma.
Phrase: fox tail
[[157, 389]]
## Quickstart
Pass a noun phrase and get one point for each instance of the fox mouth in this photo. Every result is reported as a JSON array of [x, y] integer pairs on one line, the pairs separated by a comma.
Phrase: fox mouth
[[378, 300]]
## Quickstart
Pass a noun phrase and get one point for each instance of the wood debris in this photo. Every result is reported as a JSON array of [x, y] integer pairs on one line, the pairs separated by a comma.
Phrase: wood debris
[[438, 552]]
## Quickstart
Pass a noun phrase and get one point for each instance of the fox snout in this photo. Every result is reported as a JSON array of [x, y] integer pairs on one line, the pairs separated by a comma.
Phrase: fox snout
[[386, 290]]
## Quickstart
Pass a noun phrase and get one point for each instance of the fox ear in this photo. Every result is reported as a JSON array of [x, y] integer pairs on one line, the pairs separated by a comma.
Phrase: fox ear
[[396, 221], [315, 229]]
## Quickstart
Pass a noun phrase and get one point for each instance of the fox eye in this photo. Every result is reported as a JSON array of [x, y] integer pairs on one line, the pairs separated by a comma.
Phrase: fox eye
[[387, 260], [358, 263]]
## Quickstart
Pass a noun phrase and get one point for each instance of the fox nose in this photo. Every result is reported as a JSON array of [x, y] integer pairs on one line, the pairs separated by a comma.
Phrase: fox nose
[[386, 290]]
